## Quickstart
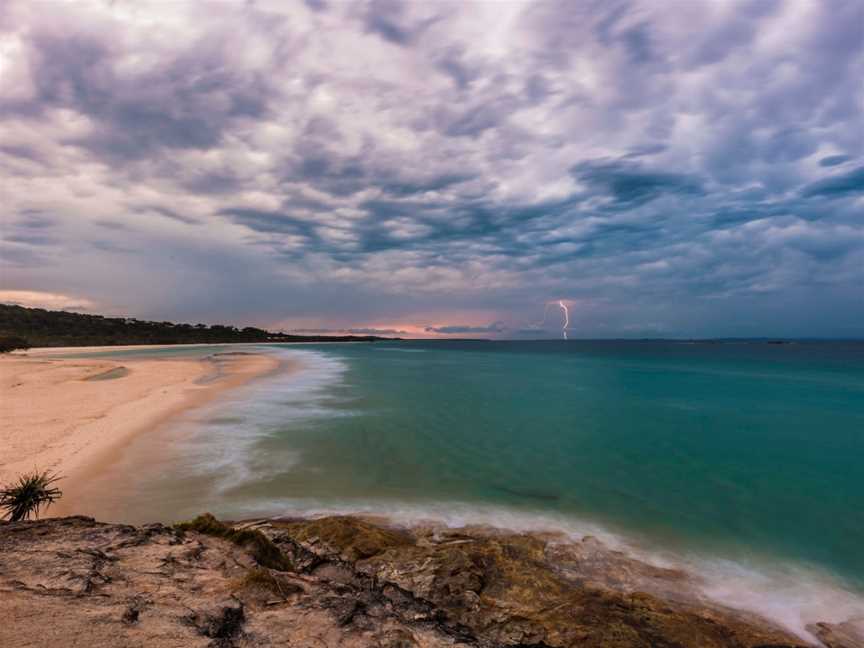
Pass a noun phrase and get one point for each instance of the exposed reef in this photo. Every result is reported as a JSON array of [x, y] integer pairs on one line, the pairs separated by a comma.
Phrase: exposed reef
[[348, 582]]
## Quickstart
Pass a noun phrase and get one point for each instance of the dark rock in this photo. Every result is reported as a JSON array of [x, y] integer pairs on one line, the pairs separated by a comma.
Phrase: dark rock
[[222, 621], [343, 608], [130, 616], [132, 613], [398, 638]]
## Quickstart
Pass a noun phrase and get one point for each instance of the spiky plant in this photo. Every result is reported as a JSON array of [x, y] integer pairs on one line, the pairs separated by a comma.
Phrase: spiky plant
[[30, 493]]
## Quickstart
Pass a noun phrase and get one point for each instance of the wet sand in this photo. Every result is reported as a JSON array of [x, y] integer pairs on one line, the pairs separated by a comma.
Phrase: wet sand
[[72, 415]]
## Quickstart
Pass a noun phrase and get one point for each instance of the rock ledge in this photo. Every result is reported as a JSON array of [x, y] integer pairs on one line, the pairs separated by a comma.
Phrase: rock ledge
[[348, 582]]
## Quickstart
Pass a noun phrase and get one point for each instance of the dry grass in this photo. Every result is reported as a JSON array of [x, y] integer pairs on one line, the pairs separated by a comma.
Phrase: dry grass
[[259, 546], [264, 579]]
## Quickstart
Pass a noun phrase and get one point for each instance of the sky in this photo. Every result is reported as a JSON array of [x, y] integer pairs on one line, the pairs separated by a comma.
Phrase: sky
[[685, 168]]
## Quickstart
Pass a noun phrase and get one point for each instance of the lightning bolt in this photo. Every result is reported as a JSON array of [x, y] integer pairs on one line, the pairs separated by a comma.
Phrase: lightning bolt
[[566, 318], [560, 304]]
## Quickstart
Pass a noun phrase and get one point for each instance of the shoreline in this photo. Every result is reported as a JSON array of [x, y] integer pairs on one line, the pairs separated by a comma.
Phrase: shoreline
[[73, 416], [107, 350]]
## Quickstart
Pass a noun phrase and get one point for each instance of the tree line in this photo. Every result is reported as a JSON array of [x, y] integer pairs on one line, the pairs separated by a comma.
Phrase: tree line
[[22, 327]]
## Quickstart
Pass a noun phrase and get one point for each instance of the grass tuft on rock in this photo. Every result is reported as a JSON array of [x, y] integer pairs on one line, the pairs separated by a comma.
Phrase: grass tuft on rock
[[264, 579], [24, 498], [259, 546]]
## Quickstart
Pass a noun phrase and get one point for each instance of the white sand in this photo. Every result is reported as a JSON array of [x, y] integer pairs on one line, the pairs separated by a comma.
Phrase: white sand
[[52, 417]]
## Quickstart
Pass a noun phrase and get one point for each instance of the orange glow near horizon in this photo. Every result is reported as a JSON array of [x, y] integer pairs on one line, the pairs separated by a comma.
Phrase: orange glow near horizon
[[403, 329]]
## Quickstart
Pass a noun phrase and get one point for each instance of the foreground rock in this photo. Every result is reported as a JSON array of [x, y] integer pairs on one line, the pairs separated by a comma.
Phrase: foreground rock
[[344, 582], [840, 635]]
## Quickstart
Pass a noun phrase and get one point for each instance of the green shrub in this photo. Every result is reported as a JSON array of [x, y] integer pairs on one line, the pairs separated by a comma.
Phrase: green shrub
[[263, 551], [30, 493], [11, 342]]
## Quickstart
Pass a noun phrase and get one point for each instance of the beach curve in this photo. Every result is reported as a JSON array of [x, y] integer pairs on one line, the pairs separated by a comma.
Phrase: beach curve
[[68, 415]]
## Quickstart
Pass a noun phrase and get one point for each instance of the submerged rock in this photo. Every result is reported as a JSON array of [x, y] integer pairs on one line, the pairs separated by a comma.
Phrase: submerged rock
[[351, 582]]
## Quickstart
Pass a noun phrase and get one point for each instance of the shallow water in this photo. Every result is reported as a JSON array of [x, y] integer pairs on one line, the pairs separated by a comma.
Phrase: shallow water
[[110, 374], [743, 459]]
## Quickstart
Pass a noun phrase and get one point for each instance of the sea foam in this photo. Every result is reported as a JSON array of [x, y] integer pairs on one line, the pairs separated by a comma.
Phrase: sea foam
[[220, 440]]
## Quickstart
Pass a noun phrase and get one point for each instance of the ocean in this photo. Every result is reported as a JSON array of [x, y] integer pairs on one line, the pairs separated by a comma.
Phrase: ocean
[[740, 461]]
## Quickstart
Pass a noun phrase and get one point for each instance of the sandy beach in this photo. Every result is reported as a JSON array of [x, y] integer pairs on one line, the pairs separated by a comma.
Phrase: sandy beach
[[68, 415]]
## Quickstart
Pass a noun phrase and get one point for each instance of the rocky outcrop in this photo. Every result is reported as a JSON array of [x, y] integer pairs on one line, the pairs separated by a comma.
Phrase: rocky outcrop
[[489, 588], [346, 582]]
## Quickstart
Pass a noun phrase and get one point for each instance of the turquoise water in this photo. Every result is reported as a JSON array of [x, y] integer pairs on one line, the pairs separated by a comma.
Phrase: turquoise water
[[748, 452], [746, 445]]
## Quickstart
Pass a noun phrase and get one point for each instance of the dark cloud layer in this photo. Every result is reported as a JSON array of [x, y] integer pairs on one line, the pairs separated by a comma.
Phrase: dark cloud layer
[[839, 185], [683, 168], [495, 327], [350, 331]]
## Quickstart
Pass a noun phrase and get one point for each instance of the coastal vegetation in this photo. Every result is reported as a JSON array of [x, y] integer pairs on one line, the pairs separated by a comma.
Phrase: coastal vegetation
[[13, 343], [256, 543], [24, 498], [268, 580], [38, 327]]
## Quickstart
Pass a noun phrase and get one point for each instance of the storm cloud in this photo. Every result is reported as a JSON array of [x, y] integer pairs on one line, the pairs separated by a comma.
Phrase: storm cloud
[[450, 329], [680, 168]]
